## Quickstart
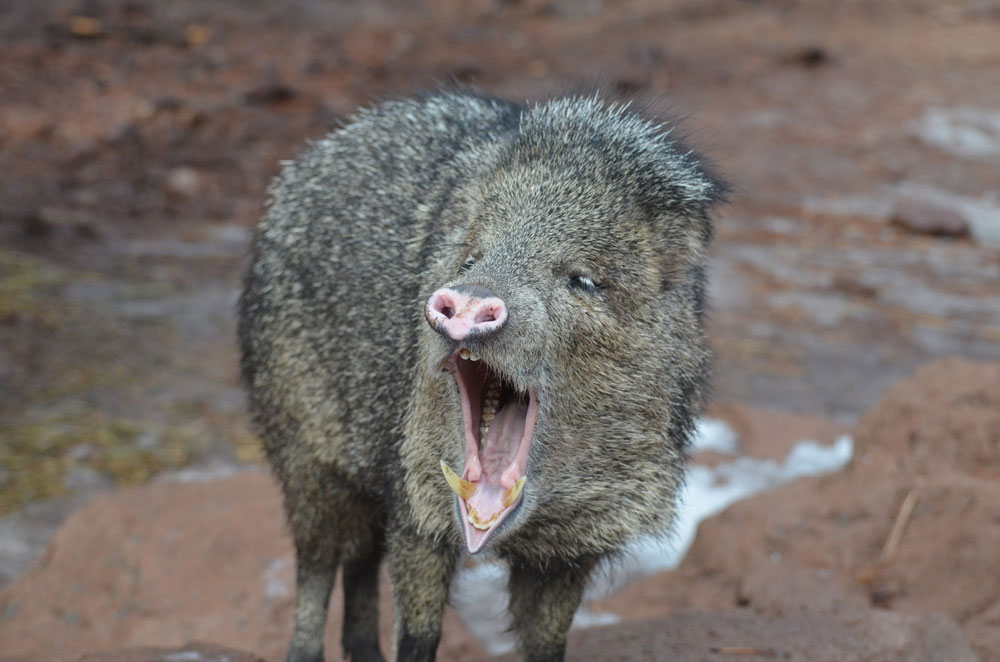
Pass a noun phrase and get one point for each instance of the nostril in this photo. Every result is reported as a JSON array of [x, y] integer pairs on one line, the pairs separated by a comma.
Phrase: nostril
[[441, 303], [457, 315]]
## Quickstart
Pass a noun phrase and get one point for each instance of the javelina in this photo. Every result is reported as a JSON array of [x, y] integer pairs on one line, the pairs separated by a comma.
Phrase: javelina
[[471, 324]]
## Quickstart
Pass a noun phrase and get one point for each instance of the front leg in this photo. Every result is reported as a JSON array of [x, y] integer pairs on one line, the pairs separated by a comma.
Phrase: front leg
[[421, 572], [542, 604], [314, 582]]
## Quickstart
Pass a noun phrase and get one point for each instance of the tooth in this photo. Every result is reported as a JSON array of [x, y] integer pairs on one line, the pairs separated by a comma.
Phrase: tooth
[[467, 355], [478, 523], [463, 488], [510, 496], [491, 401], [484, 423]]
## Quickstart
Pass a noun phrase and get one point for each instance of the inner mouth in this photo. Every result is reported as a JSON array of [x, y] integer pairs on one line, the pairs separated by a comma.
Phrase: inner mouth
[[499, 423]]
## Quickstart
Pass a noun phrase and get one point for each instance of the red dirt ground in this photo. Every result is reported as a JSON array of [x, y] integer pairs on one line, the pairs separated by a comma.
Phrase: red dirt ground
[[136, 142]]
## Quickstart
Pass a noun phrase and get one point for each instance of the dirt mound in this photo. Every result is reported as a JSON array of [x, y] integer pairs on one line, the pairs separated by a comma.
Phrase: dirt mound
[[166, 564], [695, 636], [945, 416], [909, 526]]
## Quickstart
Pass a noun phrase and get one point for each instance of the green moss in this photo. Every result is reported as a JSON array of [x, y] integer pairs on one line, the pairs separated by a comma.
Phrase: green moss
[[25, 282], [247, 447], [36, 457]]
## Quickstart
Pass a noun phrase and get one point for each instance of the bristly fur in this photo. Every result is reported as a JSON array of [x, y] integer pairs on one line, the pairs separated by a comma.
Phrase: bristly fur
[[343, 371]]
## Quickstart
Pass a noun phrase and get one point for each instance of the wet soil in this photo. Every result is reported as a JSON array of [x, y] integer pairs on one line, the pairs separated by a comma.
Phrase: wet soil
[[137, 139]]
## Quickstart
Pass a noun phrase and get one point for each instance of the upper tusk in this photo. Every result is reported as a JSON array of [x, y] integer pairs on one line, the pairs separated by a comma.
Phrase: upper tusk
[[460, 486]]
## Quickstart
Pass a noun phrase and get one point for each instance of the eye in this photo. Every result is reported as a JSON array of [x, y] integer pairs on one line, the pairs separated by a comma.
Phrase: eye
[[583, 284], [469, 261]]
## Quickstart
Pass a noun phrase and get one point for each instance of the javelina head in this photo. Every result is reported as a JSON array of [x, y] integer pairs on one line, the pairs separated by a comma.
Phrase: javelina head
[[566, 306]]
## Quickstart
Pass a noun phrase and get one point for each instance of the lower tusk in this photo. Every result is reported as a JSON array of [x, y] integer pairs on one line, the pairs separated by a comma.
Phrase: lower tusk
[[463, 488], [510, 496]]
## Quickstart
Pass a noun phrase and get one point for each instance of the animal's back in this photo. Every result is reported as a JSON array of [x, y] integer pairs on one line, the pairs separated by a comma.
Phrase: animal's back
[[329, 314]]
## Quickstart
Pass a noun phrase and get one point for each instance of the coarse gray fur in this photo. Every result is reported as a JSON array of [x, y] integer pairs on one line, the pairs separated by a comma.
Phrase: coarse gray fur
[[344, 372]]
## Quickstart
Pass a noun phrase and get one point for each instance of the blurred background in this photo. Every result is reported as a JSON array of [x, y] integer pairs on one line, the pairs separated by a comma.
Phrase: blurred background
[[137, 139]]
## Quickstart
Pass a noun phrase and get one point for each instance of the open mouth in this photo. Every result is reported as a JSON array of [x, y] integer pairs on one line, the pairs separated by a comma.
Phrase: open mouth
[[499, 423]]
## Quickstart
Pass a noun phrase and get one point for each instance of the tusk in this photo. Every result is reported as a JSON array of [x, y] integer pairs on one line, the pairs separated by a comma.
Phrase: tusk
[[510, 496], [461, 487]]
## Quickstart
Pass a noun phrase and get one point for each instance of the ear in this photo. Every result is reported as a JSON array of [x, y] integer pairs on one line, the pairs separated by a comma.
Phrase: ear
[[681, 194], [682, 245]]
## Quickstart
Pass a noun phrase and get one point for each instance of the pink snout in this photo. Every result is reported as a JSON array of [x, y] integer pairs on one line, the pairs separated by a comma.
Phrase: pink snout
[[465, 311]]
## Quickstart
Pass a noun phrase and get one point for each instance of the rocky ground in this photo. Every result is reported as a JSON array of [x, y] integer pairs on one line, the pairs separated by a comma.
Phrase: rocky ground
[[863, 139]]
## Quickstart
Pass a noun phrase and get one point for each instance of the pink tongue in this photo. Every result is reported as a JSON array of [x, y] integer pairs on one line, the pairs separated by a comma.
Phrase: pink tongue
[[498, 451]]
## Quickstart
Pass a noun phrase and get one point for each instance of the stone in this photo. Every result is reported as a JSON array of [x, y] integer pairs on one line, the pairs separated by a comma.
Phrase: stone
[[923, 217]]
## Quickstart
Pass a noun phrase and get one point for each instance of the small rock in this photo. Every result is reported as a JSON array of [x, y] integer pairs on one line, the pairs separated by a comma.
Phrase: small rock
[[143, 109], [196, 35], [60, 222], [85, 27], [810, 57], [927, 218], [971, 133], [465, 71], [82, 479], [168, 103], [850, 284], [183, 181], [80, 452], [148, 440], [268, 93]]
